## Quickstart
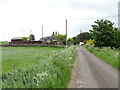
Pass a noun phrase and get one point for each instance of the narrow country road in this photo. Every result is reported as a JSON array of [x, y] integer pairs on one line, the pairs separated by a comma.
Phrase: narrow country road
[[91, 72]]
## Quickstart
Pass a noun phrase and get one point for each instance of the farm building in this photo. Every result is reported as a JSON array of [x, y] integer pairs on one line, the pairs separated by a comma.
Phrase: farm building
[[48, 39], [44, 40], [17, 40]]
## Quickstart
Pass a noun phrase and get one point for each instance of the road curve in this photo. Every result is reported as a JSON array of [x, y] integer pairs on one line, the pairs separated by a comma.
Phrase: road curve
[[91, 72]]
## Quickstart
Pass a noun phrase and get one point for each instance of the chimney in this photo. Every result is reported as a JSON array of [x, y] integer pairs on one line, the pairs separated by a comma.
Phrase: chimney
[[53, 32]]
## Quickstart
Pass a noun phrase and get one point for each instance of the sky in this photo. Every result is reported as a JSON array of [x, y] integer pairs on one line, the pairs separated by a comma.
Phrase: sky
[[18, 17]]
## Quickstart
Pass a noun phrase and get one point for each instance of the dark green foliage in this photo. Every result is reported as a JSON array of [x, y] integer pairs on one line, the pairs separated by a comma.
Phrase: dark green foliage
[[25, 39], [82, 37], [70, 41], [117, 37], [103, 33], [31, 37]]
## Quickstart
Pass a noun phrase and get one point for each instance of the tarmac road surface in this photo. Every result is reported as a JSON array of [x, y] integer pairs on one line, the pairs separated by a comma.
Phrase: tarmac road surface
[[91, 72]]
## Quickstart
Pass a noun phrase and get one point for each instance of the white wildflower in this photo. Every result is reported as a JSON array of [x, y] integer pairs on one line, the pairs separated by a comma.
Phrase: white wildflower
[[117, 53], [37, 81], [37, 84], [42, 74], [34, 77], [70, 58]]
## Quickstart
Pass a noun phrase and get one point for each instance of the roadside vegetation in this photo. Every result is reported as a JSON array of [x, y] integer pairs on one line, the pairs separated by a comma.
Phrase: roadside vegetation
[[105, 42], [36, 67], [106, 54]]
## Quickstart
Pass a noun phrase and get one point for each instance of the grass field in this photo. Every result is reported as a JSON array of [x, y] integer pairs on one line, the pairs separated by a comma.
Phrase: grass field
[[106, 54], [37, 67], [20, 57]]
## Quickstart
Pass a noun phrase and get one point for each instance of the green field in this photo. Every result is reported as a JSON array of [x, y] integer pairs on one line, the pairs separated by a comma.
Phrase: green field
[[20, 57], [37, 67]]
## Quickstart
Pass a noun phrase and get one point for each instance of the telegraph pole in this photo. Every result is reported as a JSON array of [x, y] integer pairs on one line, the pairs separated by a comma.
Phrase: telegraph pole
[[66, 32], [42, 31], [30, 31], [80, 31]]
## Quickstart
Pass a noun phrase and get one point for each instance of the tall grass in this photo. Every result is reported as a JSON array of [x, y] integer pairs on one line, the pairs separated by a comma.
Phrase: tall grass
[[54, 71], [106, 54]]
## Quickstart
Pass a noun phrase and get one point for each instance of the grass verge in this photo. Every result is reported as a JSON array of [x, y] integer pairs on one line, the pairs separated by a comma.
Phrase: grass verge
[[52, 70], [106, 54]]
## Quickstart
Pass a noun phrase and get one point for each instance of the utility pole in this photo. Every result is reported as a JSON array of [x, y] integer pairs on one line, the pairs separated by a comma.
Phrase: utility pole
[[80, 31], [30, 31], [42, 31], [66, 32]]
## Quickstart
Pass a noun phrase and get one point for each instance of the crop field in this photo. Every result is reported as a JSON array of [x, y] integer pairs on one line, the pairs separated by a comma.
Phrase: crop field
[[111, 56], [37, 67]]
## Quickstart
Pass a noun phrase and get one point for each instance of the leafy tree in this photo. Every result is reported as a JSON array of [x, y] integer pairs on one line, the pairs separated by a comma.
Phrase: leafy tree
[[82, 37], [31, 37], [60, 38], [117, 37], [25, 39], [103, 33], [70, 41]]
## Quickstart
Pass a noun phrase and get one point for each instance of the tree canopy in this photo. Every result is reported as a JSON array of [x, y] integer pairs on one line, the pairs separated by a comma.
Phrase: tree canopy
[[103, 33], [31, 37], [25, 39], [70, 41], [60, 38], [82, 37]]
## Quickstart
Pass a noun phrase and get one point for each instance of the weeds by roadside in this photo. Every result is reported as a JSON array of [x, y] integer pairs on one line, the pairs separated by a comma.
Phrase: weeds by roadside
[[106, 54]]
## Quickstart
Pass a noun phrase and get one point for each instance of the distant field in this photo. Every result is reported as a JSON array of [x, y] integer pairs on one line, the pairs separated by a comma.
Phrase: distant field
[[37, 67]]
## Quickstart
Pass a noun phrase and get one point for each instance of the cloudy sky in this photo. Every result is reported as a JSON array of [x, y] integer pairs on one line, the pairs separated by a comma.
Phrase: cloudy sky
[[18, 17]]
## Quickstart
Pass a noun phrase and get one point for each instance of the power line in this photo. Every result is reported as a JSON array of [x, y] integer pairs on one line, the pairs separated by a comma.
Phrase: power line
[[98, 17]]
